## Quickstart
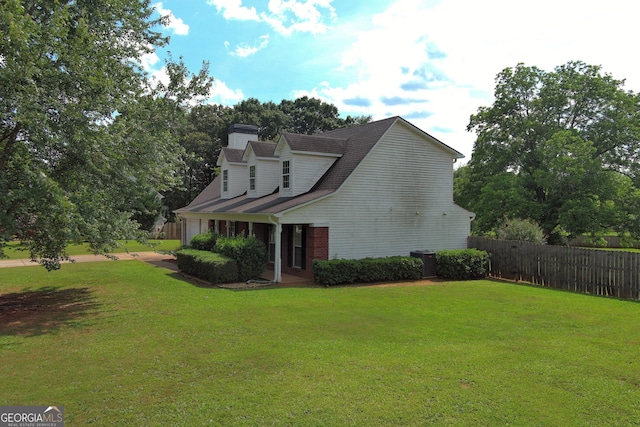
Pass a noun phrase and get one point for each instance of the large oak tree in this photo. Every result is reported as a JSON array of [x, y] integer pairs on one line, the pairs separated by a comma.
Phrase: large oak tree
[[561, 148], [85, 136]]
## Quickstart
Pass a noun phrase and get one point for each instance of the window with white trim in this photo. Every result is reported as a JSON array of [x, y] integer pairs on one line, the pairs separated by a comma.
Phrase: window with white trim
[[225, 180], [252, 178], [286, 169]]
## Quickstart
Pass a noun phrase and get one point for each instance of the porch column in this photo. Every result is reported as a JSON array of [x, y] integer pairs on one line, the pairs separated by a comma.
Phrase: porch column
[[183, 235], [277, 266], [250, 233]]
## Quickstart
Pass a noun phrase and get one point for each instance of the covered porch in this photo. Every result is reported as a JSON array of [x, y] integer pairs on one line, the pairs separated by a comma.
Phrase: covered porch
[[291, 248]]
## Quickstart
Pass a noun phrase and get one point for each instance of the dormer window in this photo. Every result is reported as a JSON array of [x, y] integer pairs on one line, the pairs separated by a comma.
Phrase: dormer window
[[286, 174], [225, 180], [252, 178]]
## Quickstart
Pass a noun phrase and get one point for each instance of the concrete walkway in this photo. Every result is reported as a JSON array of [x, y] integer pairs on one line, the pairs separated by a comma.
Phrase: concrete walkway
[[154, 258]]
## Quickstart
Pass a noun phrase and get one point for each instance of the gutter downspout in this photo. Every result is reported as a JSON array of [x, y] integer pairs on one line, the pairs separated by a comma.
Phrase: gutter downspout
[[277, 266]]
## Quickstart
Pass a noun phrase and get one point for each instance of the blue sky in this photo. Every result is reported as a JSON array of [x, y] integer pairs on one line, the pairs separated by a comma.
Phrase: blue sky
[[432, 62]]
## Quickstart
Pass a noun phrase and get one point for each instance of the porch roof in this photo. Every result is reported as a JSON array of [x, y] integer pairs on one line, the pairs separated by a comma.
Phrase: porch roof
[[270, 204]]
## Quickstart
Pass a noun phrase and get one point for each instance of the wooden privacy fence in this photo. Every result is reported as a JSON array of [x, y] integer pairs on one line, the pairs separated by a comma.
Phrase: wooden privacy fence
[[608, 273], [171, 230]]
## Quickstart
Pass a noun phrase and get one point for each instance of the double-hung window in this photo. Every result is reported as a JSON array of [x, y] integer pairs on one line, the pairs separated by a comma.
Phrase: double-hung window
[[286, 169], [225, 180], [252, 178]]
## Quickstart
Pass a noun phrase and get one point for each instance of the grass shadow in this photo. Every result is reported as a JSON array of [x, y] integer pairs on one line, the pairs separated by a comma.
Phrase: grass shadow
[[45, 310]]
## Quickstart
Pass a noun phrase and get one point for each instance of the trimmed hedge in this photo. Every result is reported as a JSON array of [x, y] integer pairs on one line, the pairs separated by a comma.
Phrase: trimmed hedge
[[462, 264], [345, 271], [205, 241], [209, 266], [249, 253]]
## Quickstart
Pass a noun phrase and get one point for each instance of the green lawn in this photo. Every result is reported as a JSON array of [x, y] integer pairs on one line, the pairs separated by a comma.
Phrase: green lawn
[[13, 252], [636, 250], [127, 343]]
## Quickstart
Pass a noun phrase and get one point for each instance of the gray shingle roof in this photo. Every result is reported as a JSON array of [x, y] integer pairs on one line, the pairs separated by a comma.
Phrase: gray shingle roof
[[315, 143], [263, 149], [353, 143], [233, 155], [211, 192]]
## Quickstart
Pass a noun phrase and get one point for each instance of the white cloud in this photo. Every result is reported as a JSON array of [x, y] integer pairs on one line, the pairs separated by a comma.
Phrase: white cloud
[[245, 50], [176, 24], [220, 93], [288, 16], [148, 60], [159, 76], [284, 16], [233, 9], [437, 62]]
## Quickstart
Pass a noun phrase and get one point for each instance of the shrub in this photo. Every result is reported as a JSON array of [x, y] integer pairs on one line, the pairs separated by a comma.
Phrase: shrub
[[249, 253], [335, 272], [521, 229], [345, 271], [205, 241], [462, 264], [209, 266]]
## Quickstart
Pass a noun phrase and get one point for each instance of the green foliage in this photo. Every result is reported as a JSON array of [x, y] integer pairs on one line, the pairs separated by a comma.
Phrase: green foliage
[[248, 252], [521, 229], [346, 271], [561, 148], [205, 241], [462, 264], [335, 272], [85, 136], [209, 266], [147, 209]]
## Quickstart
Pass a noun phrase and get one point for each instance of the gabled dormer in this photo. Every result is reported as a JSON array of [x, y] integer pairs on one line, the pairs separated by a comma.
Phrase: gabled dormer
[[262, 168], [233, 169], [304, 159], [232, 172]]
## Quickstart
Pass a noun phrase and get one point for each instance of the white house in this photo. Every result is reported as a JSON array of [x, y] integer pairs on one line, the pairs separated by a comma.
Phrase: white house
[[379, 189]]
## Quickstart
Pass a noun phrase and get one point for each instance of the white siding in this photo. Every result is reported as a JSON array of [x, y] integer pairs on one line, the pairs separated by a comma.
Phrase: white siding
[[238, 182], [399, 199], [193, 228], [239, 140], [307, 170], [267, 175]]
